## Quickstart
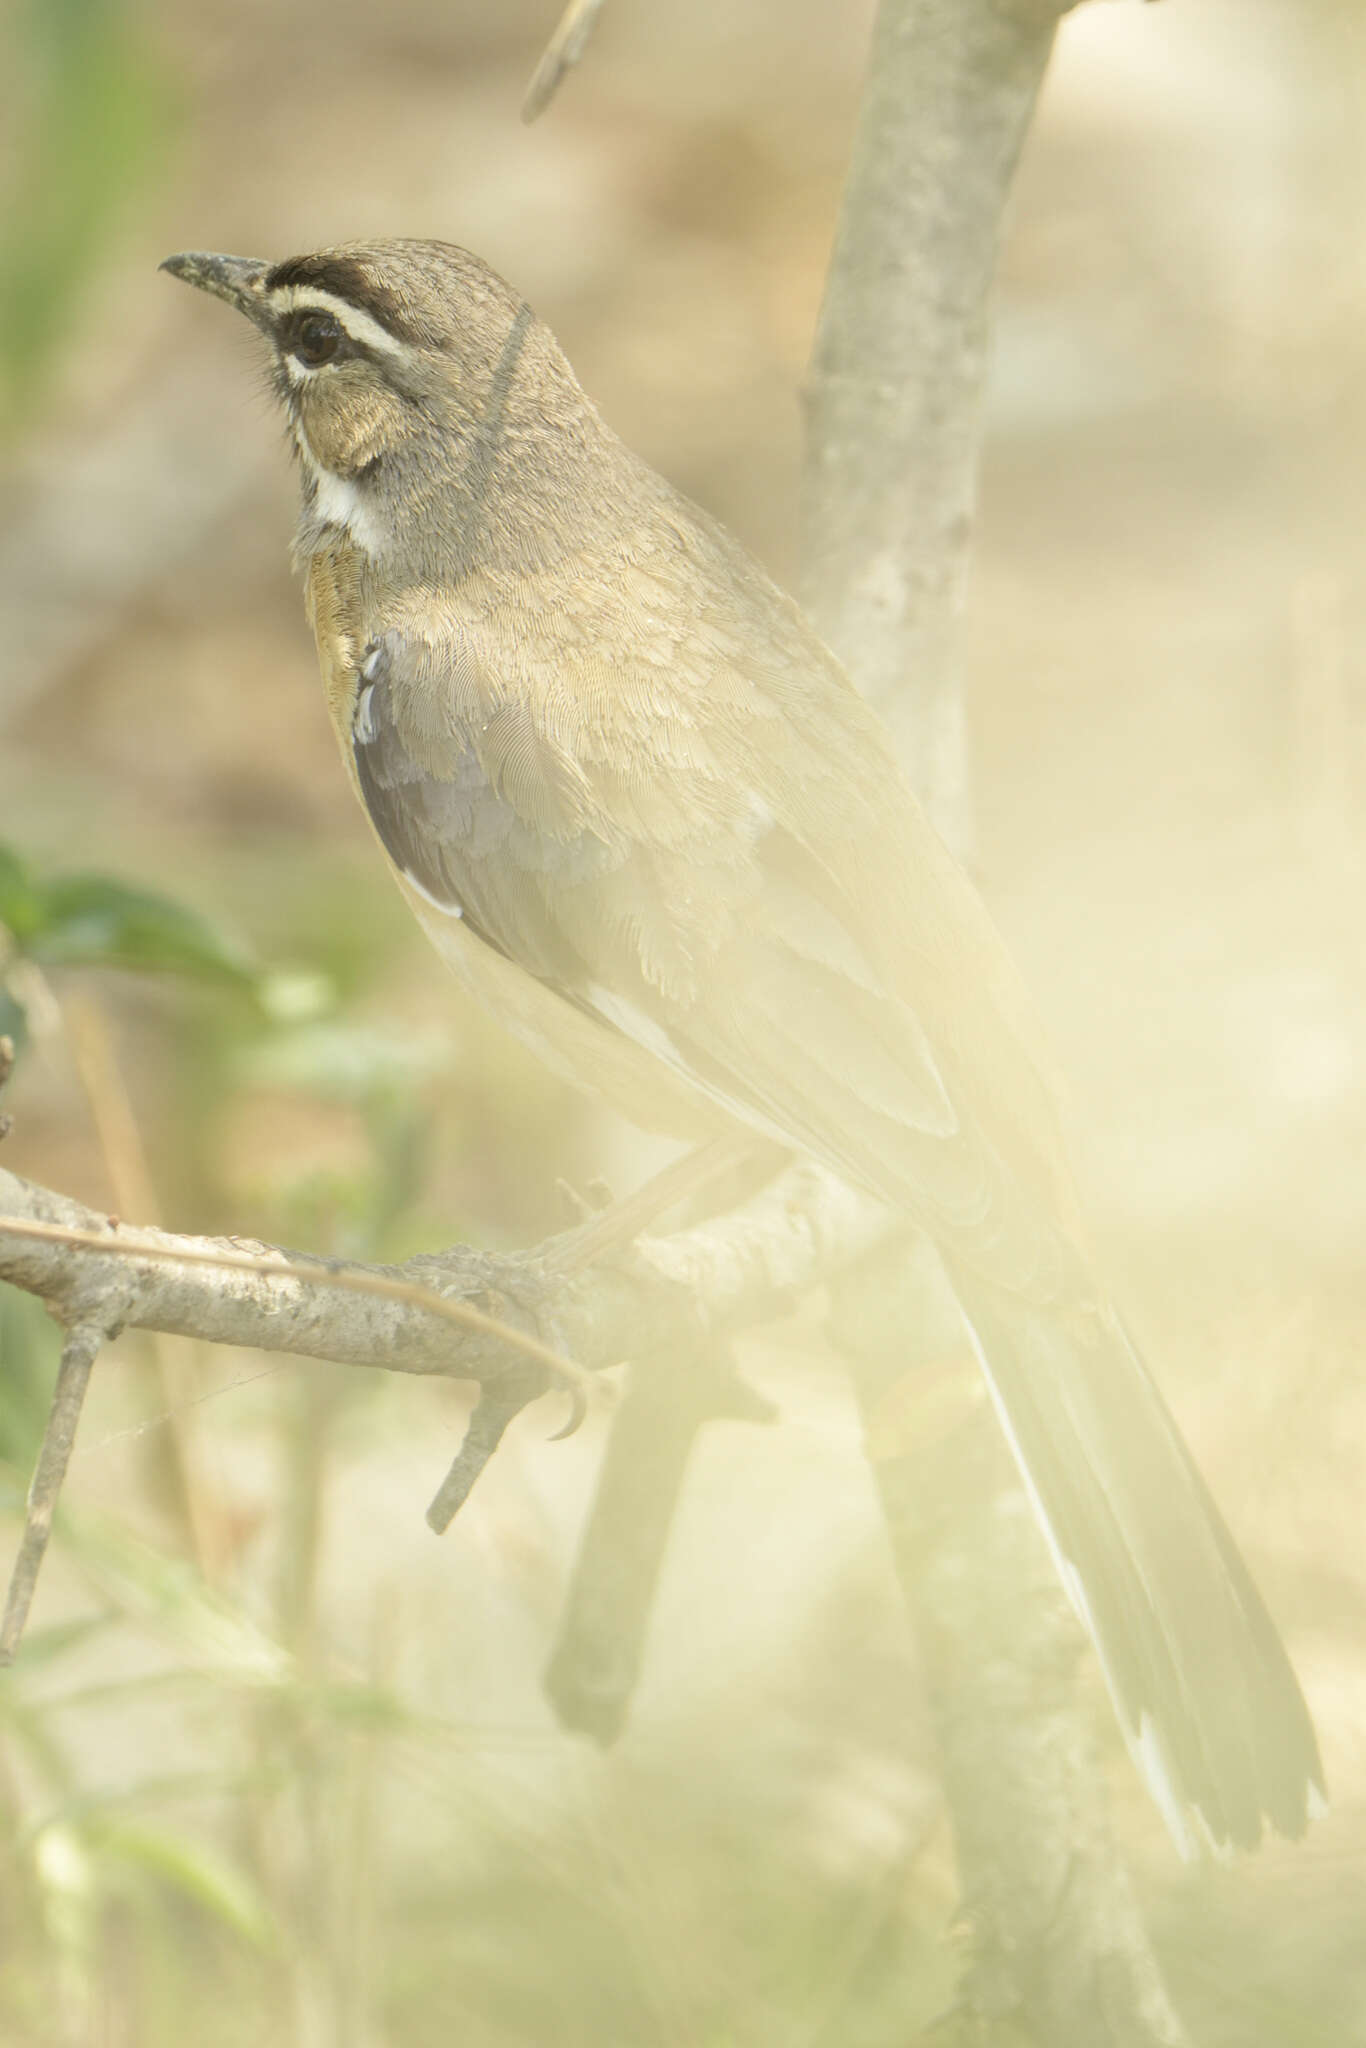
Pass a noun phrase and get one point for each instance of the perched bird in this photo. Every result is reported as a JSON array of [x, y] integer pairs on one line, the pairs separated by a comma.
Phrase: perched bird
[[645, 816]]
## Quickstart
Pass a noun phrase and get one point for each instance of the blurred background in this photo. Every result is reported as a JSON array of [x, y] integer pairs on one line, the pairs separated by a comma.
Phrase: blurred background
[[276, 1765]]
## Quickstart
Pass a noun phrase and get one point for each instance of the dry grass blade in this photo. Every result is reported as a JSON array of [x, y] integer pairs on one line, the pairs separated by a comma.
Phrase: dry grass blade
[[560, 55]]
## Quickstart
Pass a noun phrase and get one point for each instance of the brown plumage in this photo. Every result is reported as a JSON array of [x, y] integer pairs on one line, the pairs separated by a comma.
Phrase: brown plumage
[[644, 815]]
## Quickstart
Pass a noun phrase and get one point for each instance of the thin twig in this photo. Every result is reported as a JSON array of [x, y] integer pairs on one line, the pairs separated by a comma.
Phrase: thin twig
[[79, 1352], [560, 55]]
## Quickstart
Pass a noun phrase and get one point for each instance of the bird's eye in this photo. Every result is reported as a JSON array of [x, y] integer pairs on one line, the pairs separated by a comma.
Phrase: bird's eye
[[315, 338]]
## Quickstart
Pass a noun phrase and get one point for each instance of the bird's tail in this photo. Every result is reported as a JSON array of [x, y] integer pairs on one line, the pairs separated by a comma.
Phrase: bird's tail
[[1204, 1690]]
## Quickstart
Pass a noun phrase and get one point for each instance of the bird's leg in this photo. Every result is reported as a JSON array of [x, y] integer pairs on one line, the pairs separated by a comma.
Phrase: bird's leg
[[716, 1392], [624, 1221]]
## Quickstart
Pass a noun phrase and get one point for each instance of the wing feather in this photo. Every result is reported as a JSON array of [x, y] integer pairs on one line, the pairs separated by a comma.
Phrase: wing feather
[[709, 887]]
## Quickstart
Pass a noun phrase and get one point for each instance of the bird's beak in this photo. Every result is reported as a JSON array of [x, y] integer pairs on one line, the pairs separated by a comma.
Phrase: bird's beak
[[238, 279]]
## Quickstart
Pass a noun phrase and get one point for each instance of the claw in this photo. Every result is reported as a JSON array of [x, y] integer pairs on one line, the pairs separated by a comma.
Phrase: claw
[[578, 1408]]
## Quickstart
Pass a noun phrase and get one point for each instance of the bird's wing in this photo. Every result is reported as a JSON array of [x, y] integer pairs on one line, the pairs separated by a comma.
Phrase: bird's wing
[[708, 872]]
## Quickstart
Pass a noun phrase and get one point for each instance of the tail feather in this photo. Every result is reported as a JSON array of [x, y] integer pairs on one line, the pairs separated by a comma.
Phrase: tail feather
[[1204, 1690]]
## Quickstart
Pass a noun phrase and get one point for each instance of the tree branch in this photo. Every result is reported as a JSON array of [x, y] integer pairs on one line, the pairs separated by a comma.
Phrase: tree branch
[[600, 1649], [894, 393], [419, 1317], [1058, 1940], [894, 416], [724, 1275], [122, 1281]]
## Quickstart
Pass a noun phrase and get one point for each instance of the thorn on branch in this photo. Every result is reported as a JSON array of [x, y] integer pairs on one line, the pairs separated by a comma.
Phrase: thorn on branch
[[493, 1411]]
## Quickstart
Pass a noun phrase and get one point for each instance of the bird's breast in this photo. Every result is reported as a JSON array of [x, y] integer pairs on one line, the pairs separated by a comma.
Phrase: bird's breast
[[332, 595]]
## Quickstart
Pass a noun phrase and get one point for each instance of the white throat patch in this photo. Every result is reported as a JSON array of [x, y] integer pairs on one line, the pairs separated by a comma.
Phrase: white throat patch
[[340, 503]]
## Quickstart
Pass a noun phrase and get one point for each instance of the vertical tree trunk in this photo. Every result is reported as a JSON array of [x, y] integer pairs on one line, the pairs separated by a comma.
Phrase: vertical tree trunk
[[894, 396], [895, 427]]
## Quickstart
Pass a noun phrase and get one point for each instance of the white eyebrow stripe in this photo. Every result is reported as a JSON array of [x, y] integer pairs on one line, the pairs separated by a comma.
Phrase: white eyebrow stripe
[[288, 298]]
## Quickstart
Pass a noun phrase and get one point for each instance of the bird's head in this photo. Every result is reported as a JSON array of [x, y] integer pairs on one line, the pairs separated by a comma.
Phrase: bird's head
[[410, 374]]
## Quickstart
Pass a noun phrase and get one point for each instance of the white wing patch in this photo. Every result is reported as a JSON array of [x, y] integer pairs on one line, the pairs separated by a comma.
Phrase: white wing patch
[[441, 903]]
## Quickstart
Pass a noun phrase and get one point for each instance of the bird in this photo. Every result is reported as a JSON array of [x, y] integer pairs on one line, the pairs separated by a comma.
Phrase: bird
[[645, 815]]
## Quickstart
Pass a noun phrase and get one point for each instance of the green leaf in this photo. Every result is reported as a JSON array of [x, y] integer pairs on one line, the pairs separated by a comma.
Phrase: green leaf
[[21, 903], [93, 921], [89, 920], [89, 110], [370, 1709], [192, 1867], [345, 1062], [13, 1019]]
